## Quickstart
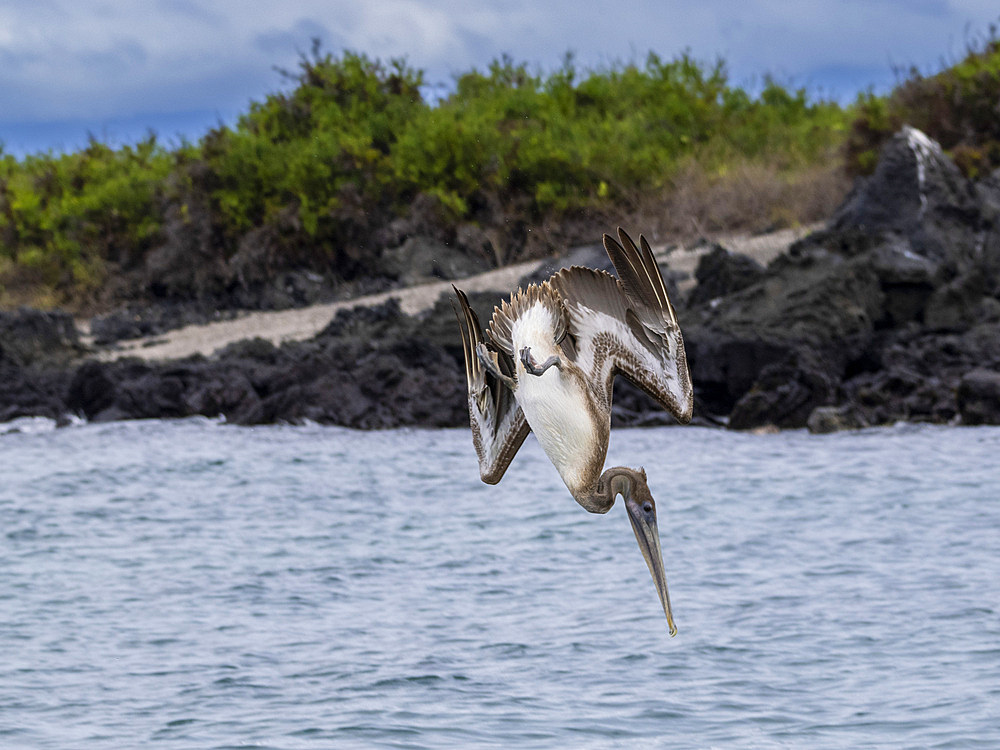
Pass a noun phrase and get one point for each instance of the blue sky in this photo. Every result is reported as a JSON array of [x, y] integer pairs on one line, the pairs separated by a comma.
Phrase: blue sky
[[178, 67]]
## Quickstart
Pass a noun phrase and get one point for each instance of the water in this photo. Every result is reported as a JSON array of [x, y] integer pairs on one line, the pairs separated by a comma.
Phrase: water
[[190, 584]]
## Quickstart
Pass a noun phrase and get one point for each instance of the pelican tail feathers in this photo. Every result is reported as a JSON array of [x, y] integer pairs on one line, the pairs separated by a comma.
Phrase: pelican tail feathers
[[502, 325]]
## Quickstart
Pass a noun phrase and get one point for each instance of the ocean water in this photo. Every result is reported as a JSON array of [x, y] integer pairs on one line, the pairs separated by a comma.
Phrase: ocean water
[[190, 584]]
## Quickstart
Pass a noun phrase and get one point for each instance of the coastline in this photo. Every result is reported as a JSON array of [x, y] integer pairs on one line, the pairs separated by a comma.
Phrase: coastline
[[889, 312], [299, 324]]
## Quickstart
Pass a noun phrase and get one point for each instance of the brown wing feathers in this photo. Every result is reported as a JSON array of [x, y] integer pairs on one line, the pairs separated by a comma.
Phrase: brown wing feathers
[[638, 300], [639, 273], [498, 424], [475, 375]]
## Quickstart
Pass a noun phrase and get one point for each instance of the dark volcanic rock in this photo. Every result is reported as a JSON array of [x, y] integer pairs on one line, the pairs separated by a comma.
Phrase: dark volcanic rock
[[724, 366], [907, 281], [808, 320], [784, 395], [721, 272], [936, 223], [919, 373], [35, 347], [421, 259], [30, 392], [91, 390], [136, 321], [916, 192], [979, 397], [878, 316], [370, 368], [826, 419], [29, 337], [815, 300], [961, 303]]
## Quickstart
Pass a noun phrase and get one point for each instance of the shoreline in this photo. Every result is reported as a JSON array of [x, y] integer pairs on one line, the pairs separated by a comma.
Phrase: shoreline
[[889, 312], [300, 324]]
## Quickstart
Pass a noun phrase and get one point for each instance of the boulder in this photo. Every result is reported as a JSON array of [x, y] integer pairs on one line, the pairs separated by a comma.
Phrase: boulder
[[809, 316], [907, 281], [918, 193], [784, 395], [720, 273], [724, 366], [826, 419], [29, 337], [36, 347], [979, 397], [91, 390], [819, 301], [421, 259], [30, 392]]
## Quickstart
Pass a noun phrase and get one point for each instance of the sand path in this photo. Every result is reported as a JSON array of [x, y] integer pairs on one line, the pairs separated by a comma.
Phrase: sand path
[[300, 323], [304, 323]]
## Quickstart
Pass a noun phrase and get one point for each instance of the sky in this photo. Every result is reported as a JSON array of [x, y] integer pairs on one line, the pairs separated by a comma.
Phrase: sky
[[118, 70]]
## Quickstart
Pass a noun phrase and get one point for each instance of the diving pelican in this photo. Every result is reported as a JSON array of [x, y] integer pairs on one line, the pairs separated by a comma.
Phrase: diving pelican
[[549, 364]]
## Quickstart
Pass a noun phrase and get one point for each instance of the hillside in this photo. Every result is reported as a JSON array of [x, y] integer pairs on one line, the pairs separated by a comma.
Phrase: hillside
[[349, 181]]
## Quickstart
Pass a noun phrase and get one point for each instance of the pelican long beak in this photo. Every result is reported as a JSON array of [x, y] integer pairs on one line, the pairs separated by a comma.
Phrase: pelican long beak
[[642, 514]]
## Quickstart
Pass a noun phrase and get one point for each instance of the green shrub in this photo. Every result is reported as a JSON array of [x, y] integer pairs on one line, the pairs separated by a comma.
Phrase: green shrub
[[301, 149], [65, 216], [957, 107], [352, 143]]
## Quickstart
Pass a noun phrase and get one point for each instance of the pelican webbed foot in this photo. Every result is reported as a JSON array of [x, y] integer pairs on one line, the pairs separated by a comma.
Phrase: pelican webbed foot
[[492, 366], [531, 368]]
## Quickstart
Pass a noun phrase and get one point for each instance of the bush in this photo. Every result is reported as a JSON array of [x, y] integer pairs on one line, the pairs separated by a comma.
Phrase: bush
[[326, 166], [959, 107], [66, 216]]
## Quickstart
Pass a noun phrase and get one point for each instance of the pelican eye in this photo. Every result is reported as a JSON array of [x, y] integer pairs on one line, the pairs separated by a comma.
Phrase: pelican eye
[[647, 506]]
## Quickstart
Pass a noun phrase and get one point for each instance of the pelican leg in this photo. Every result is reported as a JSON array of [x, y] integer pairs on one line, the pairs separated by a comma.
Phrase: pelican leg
[[489, 360], [532, 368]]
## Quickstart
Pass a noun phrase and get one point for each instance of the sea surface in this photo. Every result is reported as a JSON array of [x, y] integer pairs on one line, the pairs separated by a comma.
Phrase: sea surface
[[191, 584]]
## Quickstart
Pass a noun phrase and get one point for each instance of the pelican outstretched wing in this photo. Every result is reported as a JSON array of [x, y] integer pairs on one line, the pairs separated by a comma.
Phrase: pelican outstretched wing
[[498, 424], [627, 326]]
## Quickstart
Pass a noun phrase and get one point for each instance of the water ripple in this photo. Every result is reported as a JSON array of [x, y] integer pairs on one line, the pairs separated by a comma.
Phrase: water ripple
[[201, 585]]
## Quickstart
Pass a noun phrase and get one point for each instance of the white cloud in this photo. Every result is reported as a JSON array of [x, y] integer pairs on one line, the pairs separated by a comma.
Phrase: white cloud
[[90, 59]]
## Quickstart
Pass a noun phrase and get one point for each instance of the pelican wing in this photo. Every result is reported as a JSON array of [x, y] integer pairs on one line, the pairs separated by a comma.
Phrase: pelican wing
[[498, 424], [627, 326]]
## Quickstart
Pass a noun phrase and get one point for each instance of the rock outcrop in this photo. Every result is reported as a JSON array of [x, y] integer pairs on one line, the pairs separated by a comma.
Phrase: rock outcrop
[[36, 350], [892, 312], [370, 368], [880, 316]]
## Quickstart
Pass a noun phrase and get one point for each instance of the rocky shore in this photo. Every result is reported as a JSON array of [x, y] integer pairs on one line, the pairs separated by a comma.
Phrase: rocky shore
[[890, 312]]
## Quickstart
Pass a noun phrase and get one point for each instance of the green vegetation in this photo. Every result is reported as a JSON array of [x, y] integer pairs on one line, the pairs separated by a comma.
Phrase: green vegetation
[[606, 138], [64, 218], [323, 168], [957, 107]]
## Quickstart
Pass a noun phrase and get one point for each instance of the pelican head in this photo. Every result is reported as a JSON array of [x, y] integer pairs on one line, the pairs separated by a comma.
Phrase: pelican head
[[641, 510]]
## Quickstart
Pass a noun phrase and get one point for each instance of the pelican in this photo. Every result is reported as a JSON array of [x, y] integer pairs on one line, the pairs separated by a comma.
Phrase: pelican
[[549, 364]]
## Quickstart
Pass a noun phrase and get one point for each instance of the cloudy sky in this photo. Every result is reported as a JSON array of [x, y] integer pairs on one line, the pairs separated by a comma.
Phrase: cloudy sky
[[118, 68]]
